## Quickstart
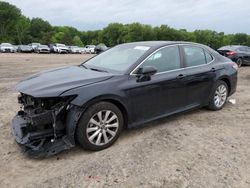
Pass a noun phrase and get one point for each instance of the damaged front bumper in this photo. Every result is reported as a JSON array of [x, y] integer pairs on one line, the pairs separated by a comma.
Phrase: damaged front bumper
[[45, 132]]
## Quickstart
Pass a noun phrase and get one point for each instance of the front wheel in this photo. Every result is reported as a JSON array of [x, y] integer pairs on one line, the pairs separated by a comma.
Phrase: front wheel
[[219, 96], [100, 126]]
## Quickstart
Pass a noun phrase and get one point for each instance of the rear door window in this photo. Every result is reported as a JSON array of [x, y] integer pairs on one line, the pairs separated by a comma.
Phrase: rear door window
[[194, 56]]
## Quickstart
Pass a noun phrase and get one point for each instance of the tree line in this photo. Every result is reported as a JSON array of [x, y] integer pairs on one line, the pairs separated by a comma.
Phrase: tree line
[[19, 29]]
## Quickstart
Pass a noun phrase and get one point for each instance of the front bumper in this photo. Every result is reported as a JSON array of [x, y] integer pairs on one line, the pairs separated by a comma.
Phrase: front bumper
[[37, 134], [43, 51], [7, 50], [25, 129]]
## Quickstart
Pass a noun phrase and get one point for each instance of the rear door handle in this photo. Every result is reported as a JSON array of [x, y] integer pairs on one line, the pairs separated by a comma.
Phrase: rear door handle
[[213, 69], [181, 76]]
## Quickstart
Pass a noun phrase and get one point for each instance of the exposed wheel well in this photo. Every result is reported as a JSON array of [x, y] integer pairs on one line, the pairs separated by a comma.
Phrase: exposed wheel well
[[228, 84], [122, 108], [113, 101]]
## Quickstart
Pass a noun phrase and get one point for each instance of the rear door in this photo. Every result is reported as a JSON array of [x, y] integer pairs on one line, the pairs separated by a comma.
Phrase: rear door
[[200, 73]]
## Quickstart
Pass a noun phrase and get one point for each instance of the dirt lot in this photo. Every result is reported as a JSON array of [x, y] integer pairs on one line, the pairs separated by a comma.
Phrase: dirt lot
[[195, 149]]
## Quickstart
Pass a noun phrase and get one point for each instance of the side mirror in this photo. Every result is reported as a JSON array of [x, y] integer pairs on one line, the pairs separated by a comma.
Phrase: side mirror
[[145, 73]]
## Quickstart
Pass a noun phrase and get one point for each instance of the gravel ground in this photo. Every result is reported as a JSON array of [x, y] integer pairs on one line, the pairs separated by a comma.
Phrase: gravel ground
[[196, 149]]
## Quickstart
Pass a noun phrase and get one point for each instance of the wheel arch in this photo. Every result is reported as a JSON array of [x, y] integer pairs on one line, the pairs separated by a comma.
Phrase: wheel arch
[[111, 99], [227, 81]]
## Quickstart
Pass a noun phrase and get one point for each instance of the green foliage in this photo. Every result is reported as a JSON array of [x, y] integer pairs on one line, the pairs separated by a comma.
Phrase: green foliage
[[240, 38], [22, 29], [77, 41], [18, 29], [9, 16], [40, 30]]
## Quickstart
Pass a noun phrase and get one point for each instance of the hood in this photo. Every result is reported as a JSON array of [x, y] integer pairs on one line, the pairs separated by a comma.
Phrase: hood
[[47, 48], [54, 82], [25, 47], [63, 48], [7, 47]]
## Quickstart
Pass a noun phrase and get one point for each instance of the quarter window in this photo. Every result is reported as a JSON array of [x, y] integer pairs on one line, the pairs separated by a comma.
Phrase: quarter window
[[194, 56], [209, 58], [165, 59]]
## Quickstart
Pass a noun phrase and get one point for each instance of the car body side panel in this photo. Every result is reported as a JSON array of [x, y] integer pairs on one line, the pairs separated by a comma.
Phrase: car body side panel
[[162, 94], [111, 89]]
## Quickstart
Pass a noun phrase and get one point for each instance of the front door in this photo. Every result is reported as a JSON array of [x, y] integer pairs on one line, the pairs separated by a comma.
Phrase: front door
[[165, 92]]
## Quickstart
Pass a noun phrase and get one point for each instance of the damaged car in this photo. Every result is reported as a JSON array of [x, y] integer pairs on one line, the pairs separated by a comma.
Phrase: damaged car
[[123, 87]]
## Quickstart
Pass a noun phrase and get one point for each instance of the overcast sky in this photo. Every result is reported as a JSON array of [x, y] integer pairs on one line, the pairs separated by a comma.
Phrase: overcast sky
[[220, 15]]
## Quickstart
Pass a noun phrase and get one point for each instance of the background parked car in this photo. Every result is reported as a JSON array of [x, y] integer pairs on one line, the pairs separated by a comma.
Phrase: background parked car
[[75, 50], [51, 47], [34, 45], [90, 49], [24, 48], [15, 47], [60, 48], [239, 54], [42, 49], [7, 47], [100, 48]]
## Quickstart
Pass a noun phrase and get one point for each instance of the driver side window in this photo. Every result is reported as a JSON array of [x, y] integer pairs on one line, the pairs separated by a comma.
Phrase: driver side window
[[166, 59]]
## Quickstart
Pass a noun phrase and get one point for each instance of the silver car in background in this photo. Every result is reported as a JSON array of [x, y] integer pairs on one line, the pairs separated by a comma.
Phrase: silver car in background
[[42, 49], [60, 48], [75, 50], [34, 45], [89, 49], [7, 47]]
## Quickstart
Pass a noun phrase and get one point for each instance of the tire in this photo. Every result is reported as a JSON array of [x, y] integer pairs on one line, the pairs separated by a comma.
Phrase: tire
[[95, 135], [219, 96], [239, 62]]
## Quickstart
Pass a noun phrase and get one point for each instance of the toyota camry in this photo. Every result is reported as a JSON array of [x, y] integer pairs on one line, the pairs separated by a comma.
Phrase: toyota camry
[[123, 87]]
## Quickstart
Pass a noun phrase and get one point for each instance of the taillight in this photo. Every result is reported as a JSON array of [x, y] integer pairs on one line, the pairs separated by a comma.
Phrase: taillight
[[231, 53], [235, 66]]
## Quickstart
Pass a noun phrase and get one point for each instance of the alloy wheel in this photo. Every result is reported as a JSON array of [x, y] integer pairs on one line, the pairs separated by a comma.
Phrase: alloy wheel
[[102, 127], [220, 96]]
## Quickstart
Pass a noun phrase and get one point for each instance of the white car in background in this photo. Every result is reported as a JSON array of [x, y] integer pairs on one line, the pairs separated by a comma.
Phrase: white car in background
[[90, 49], [34, 45], [74, 50], [60, 48], [7, 47]]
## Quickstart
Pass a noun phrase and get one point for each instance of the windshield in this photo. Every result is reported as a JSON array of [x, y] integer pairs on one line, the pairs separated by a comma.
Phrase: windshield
[[117, 59], [6, 44], [43, 46], [61, 45]]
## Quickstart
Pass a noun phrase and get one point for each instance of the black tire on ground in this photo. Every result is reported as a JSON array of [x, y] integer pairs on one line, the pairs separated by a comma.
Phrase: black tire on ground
[[212, 105], [239, 62], [81, 131]]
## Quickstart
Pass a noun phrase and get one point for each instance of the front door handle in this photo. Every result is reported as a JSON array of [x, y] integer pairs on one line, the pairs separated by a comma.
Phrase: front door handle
[[181, 76]]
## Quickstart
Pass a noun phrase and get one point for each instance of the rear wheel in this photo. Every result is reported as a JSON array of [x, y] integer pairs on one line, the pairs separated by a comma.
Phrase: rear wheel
[[100, 126], [219, 96]]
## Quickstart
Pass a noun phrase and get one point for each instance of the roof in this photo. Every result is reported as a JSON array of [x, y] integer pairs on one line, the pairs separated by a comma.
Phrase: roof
[[159, 43], [230, 47]]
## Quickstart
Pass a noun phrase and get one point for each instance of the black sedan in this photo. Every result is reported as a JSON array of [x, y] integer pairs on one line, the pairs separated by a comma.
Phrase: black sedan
[[123, 87], [239, 54]]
